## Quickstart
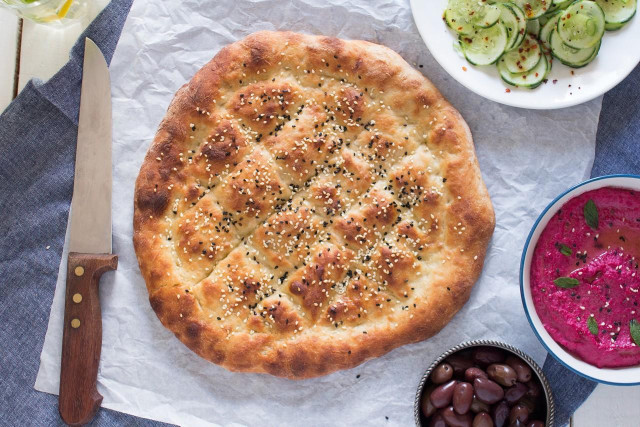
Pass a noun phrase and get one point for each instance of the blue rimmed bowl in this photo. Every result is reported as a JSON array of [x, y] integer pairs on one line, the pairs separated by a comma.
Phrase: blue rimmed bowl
[[613, 376]]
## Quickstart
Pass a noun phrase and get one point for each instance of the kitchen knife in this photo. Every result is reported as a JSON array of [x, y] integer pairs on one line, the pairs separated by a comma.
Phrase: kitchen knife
[[89, 244]]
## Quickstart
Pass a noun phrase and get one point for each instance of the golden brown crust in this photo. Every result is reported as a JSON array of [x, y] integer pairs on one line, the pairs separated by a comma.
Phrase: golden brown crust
[[309, 203]]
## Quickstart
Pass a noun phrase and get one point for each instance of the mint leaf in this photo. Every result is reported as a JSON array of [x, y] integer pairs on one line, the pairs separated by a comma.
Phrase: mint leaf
[[591, 214], [592, 325], [634, 328], [564, 249], [566, 282]]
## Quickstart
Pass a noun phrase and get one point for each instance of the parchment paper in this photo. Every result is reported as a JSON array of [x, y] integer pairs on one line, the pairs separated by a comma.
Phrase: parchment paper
[[527, 158]]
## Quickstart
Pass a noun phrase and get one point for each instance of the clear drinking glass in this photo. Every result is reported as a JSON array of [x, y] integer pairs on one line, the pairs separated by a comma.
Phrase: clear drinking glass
[[47, 10]]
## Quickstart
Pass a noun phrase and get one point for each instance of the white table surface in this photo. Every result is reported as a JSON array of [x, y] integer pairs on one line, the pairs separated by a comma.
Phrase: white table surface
[[43, 49]]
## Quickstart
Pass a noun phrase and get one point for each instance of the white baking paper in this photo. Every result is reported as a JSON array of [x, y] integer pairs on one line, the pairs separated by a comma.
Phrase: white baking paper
[[527, 158]]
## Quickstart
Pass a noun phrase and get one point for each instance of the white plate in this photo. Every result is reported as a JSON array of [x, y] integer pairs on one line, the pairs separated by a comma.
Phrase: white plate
[[613, 376], [618, 56]]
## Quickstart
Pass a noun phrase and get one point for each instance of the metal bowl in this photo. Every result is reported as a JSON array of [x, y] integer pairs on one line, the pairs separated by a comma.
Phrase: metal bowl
[[549, 422]]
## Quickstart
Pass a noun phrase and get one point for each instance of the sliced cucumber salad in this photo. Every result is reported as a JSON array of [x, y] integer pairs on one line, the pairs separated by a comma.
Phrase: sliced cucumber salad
[[524, 36]]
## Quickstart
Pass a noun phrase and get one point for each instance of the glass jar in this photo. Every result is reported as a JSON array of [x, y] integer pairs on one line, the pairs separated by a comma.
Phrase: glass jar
[[45, 11]]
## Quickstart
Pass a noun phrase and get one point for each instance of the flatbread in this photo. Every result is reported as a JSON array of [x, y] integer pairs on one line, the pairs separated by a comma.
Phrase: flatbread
[[309, 203]]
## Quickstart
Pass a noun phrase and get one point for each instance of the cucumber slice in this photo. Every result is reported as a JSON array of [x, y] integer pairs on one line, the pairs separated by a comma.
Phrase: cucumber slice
[[490, 15], [525, 58], [545, 31], [593, 56], [533, 8], [617, 12], [522, 24], [575, 58], [581, 25], [614, 27], [457, 23], [562, 4], [555, 6], [533, 27], [531, 79], [486, 46], [509, 19], [544, 19], [463, 15]]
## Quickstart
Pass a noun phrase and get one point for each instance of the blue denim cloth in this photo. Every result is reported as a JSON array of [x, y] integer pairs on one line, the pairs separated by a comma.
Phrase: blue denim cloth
[[617, 151], [37, 146]]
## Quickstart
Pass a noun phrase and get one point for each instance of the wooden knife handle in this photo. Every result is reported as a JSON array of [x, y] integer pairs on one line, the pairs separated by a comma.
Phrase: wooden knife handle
[[82, 337]]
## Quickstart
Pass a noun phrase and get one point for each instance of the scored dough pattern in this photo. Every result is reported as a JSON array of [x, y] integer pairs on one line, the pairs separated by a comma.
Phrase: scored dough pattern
[[297, 198], [337, 211]]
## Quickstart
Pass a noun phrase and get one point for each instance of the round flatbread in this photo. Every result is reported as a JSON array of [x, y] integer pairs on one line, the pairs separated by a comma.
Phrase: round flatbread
[[309, 203]]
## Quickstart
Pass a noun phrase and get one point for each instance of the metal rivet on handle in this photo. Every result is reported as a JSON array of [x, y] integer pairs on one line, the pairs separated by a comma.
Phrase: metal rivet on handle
[[77, 298], [75, 323], [79, 270]]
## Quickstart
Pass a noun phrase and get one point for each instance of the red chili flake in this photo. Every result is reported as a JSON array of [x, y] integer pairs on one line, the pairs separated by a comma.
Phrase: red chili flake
[[464, 68], [536, 74], [507, 90]]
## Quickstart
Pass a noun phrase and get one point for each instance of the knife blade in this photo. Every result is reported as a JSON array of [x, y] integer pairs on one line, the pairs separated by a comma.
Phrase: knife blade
[[89, 244]]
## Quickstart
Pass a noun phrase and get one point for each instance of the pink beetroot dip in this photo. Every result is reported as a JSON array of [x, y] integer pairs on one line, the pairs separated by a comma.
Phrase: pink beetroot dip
[[604, 261]]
